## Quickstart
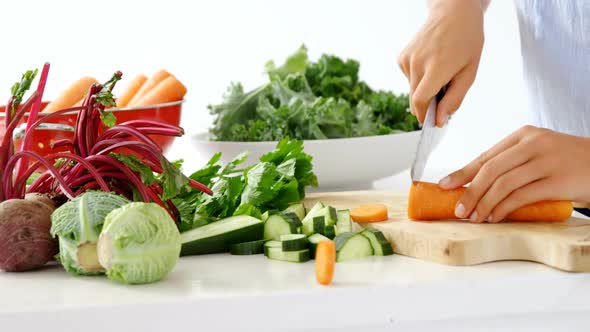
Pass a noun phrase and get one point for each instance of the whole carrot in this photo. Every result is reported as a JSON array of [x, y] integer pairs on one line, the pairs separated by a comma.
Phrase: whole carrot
[[131, 90], [71, 95], [427, 201], [154, 80], [170, 89]]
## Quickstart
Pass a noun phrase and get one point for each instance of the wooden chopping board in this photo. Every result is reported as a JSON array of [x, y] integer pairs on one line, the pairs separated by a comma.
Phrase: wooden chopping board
[[564, 245]]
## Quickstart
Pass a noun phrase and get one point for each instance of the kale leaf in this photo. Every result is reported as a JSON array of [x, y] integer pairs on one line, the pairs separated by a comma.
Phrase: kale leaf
[[310, 100]]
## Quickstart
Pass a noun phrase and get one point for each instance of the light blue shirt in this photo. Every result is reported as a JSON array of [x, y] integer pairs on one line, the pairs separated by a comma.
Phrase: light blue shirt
[[555, 43]]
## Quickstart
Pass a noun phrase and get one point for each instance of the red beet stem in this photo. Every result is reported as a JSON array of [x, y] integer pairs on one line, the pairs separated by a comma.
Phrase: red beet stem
[[32, 117], [198, 185], [7, 176], [132, 177]]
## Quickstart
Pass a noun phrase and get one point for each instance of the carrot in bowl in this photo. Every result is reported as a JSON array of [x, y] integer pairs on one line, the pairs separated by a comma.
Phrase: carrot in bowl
[[369, 213], [325, 261], [170, 89], [70, 96], [131, 90], [154, 80], [427, 201]]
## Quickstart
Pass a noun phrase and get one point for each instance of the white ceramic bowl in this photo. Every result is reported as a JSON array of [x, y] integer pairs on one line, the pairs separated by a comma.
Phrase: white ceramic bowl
[[340, 164]]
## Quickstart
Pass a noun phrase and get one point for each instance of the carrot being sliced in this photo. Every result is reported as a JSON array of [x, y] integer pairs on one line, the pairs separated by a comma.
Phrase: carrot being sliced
[[71, 95], [168, 90], [325, 261], [154, 80], [369, 213], [427, 201], [131, 90]]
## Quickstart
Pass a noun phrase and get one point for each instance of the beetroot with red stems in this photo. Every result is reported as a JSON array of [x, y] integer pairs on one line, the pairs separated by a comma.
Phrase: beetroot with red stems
[[95, 162]]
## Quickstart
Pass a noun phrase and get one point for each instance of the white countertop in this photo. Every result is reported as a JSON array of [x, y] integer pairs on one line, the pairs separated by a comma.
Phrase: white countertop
[[231, 293], [251, 293]]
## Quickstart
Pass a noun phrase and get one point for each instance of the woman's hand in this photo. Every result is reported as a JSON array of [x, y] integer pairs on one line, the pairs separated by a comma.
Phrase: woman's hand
[[447, 49], [531, 165]]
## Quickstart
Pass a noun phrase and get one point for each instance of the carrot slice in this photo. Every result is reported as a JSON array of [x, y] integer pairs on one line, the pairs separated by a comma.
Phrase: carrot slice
[[369, 213], [156, 78], [427, 201], [325, 261], [71, 95], [168, 90], [131, 90]]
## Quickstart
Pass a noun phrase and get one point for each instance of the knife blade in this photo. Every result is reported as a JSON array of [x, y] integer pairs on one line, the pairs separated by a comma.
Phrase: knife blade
[[429, 134]]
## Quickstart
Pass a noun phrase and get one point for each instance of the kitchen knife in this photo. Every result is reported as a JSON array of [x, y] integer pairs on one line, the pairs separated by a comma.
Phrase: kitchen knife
[[430, 134]]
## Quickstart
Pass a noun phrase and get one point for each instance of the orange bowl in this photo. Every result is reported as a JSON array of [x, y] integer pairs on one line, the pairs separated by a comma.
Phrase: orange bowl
[[62, 126]]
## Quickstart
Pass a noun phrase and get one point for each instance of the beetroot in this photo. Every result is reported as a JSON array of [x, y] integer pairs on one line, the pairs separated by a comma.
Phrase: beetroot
[[25, 242]]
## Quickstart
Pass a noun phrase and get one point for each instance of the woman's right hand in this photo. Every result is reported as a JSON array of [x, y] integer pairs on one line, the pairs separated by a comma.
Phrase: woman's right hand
[[446, 50]]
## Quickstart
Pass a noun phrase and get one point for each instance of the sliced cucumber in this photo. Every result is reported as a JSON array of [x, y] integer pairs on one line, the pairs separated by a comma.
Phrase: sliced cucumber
[[316, 210], [330, 215], [330, 231], [344, 223], [247, 248], [314, 239], [381, 247], [298, 209], [287, 256], [292, 218], [271, 244], [280, 224], [294, 242], [352, 246], [265, 215], [218, 236], [319, 224]]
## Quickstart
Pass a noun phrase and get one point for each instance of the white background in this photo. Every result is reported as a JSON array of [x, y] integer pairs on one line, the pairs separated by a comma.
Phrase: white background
[[207, 44]]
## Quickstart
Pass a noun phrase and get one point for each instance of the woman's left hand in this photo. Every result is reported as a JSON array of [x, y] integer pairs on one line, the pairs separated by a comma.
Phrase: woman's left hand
[[529, 166]]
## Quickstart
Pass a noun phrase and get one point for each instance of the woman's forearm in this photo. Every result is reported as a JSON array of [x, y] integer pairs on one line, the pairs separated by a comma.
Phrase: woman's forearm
[[483, 3]]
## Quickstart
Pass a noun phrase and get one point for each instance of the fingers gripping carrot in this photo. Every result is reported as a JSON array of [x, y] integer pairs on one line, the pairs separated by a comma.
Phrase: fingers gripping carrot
[[427, 201]]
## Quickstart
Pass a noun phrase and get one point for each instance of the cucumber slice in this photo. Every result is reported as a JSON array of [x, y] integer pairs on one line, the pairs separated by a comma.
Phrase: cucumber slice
[[278, 254], [330, 231], [314, 239], [271, 244], [247, 248], [298, 209], [381, 247], [280, 224], [265, 215], [330, 215], [344, 223], [292, 218], [319, 224], [294, 242], [315, 211], [218, 236], [352, 246]]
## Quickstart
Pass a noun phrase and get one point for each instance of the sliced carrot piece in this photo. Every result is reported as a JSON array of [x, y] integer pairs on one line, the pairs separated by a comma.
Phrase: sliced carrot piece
[[369, 213], [325, 261]]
